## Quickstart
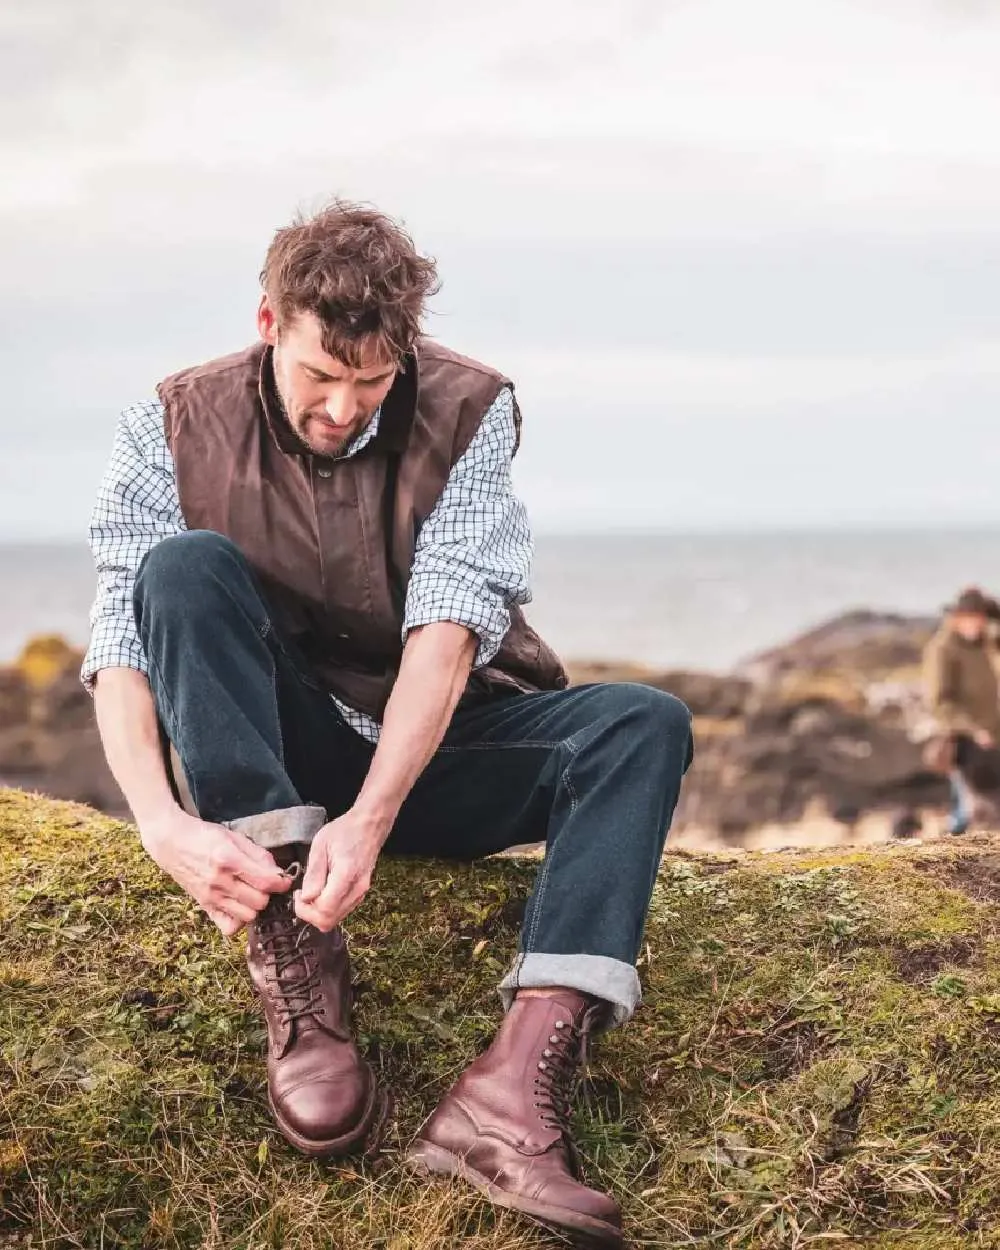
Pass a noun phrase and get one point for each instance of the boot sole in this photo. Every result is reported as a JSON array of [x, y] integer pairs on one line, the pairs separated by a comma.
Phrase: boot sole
[[363, 1140], [427, 1158]]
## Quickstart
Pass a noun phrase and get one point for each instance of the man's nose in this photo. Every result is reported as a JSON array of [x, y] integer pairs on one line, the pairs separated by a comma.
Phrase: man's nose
[[340, 408]]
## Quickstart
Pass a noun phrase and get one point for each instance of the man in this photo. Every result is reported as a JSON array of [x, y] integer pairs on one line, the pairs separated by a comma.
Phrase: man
[[962, 687], [310, 564]]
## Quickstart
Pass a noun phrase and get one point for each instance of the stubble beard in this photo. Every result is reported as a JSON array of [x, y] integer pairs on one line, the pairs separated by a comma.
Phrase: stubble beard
[[304, 445]]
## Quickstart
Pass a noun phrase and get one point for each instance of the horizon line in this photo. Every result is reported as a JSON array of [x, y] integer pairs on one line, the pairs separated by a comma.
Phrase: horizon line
[[769, 530]]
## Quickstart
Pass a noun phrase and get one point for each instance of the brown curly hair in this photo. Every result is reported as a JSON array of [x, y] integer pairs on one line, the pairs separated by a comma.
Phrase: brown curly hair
[[359, 273]]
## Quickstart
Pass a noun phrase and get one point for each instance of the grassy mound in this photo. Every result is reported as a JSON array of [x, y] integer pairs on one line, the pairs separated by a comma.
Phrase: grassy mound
[[815, 1062]]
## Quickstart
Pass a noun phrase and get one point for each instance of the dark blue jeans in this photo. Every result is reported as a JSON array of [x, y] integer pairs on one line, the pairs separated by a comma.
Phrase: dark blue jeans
[[959, 817], [593, 772]]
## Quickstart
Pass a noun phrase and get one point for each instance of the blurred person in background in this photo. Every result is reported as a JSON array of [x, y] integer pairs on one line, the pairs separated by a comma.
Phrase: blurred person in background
[[960, 675]]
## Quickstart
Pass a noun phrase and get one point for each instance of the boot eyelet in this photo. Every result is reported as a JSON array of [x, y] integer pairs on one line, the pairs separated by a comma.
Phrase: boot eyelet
[[541, 1066], [547, 1053], [560, 1024]]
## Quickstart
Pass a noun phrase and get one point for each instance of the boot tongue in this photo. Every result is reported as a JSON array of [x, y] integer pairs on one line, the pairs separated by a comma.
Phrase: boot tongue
[[563, 1052], [289, 943], [572, 1006], [291, 858]]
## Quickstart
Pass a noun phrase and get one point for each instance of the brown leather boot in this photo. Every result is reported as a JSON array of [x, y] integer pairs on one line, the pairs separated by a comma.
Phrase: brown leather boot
[[323, 1095], [504, 1125]]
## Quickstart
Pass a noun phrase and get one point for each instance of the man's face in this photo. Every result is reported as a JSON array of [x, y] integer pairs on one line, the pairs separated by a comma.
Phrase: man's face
[[969, 625], [326, 402]]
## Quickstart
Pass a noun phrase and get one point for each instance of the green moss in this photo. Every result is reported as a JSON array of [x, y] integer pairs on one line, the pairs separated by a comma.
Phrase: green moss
[[814, 1062]]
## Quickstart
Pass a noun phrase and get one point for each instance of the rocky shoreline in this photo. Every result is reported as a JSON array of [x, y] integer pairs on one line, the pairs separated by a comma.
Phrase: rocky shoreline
[[814, 742]]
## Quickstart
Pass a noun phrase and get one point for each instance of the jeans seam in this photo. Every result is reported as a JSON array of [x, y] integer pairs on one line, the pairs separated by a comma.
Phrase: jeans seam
[[268, 635], [277, 711], [543, 877], [167, 702], [499, 746], [277, 717], [271, 636]]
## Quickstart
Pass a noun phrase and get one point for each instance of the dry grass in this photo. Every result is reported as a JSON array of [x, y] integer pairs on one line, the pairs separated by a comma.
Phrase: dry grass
[[815, 1063]]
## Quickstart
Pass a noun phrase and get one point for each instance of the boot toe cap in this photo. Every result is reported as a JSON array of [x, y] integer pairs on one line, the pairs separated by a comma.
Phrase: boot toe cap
[[570, 1195], [327, 1109]]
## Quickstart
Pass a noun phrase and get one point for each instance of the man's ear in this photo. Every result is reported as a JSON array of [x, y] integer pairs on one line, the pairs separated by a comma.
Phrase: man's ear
[[267, 322]]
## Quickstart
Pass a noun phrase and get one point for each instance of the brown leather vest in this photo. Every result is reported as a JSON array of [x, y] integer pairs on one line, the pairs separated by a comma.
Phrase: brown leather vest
[[332, 542]]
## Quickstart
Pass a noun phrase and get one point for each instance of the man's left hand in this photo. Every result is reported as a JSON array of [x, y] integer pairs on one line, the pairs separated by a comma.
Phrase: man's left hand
[[341, 862]]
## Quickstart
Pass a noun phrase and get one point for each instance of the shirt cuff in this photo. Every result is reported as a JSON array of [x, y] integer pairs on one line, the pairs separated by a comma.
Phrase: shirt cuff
[[112, 646], [489, 627]]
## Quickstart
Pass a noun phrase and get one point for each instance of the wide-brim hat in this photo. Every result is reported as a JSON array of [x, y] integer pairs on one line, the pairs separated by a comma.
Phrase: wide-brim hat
[[975, 603]]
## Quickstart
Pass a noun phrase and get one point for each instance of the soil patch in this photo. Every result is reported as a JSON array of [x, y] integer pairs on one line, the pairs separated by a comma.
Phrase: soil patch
[[978, 876], [917, 964]]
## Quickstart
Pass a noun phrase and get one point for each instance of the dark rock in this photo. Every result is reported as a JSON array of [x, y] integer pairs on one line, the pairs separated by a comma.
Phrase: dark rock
[[787, 761], [870, 643], [19, 751], [821, 725], [722, 697], [48, 735], [906, 824], [719, 695], [15, 699]]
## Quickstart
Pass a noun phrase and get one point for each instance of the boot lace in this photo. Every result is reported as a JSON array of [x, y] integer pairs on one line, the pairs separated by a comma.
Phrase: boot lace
[[555, 1084], [284, 938]]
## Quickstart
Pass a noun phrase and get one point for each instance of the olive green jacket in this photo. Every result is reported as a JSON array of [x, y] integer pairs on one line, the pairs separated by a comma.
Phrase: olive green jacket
[[961, 683]]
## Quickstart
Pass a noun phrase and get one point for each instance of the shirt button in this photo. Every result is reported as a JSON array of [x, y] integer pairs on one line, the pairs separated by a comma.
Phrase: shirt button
[[325, 471]]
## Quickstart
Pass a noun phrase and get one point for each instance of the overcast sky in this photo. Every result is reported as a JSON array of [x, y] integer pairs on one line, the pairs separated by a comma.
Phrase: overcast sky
[[743, 260]]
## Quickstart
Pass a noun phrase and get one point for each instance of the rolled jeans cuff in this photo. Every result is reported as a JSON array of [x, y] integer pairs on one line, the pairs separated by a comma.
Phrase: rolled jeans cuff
[[614, 982], [280, 828]]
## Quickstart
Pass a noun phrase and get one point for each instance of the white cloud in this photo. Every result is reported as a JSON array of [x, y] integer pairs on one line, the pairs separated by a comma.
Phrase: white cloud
[[809, 114], [548, 152]]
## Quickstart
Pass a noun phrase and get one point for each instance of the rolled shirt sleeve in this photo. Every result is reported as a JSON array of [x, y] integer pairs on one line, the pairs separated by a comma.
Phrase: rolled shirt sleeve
[[473, 553], [137, 506]]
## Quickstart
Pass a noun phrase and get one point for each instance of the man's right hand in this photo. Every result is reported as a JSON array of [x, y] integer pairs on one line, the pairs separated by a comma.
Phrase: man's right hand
[[984, 739], [224, 872]]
